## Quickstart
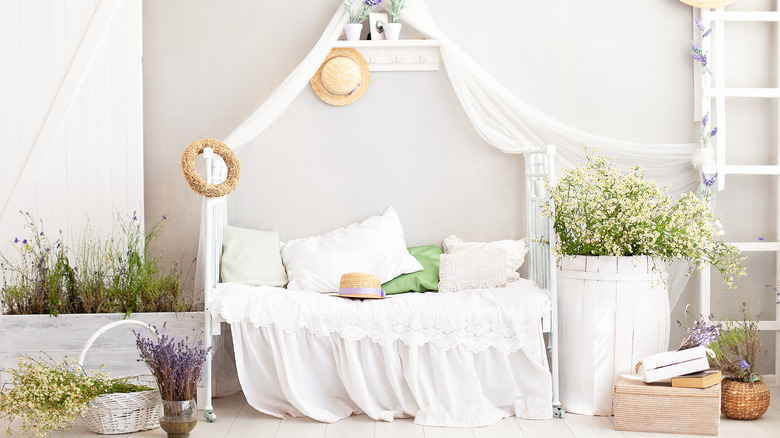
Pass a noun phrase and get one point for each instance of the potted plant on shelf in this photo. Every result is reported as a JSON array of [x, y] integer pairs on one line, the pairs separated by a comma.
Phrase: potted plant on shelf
[[47, 395], [744, 396], [393, 29], [56, 292], [354, 27], [176, 367], [614, 230]]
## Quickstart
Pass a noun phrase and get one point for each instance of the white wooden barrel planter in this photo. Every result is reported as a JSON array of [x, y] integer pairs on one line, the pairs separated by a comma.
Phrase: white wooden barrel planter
[[612, 312]]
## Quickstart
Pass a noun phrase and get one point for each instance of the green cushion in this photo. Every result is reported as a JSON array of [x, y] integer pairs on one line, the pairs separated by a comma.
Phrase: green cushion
[[420, 281]]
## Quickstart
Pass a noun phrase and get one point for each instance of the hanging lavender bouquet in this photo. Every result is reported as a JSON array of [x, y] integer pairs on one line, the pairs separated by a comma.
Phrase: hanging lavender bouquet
[[699, 55], [176, 366]]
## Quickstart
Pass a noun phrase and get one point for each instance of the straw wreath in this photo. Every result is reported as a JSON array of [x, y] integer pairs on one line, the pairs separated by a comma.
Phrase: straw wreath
[[197, 183]]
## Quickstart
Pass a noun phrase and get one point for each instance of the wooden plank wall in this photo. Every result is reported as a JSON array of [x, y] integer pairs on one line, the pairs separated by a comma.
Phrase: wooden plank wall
[[71, 113]]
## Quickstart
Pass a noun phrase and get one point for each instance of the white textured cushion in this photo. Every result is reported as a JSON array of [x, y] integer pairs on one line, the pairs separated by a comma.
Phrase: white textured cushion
[[515, 251], [374, 246], [477, 270], [251, 257]]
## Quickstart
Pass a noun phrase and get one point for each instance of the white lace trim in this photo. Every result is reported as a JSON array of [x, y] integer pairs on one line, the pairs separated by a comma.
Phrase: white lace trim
[[502, 318]]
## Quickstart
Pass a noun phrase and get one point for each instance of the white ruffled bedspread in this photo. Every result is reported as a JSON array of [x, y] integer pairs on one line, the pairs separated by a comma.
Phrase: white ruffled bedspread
[[462, 359]]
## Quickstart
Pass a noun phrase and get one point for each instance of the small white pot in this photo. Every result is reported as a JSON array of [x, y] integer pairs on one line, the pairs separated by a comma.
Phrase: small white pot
[[392, 30], [353, 30]]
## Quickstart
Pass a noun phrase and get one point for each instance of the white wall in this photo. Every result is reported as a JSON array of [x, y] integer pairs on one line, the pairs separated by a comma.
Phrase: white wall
[[71, 126], [407, 142], [614, 68]]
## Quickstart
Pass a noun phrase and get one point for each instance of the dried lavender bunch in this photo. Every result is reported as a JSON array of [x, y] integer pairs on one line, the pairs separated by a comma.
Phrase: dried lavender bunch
[[703, 332], [176, 366]]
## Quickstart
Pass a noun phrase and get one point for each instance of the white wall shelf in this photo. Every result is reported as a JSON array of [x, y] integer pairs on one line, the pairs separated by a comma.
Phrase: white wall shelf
[[400, 55]]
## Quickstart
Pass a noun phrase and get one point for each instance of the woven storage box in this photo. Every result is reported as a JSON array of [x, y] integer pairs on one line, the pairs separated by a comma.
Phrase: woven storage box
[[657, 407]]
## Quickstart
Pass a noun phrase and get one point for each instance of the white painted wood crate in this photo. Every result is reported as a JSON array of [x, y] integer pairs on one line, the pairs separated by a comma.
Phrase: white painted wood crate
[[116, 352]]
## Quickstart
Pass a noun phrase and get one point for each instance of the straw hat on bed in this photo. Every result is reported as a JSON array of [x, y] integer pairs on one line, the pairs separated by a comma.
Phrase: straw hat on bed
[[360, 285], [342, 78], [708, 4]]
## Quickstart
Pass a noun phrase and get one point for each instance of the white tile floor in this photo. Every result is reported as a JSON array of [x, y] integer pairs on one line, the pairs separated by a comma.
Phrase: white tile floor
[[238, 419]]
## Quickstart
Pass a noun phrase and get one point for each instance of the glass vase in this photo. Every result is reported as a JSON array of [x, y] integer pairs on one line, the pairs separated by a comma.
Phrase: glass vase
[[179, 417]]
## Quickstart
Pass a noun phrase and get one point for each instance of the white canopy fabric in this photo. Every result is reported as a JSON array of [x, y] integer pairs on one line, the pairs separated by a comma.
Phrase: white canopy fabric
[[501, 118]]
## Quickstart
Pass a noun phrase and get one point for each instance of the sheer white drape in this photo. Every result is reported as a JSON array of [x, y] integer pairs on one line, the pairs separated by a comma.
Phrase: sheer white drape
[[500, 118]]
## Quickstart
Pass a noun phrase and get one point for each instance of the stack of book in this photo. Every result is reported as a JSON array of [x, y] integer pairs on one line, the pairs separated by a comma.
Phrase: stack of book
[[704, 379], [673, 364]]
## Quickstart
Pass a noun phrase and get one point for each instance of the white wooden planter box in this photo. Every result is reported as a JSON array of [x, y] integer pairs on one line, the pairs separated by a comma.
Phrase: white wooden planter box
[[115, 350], [612, 312]]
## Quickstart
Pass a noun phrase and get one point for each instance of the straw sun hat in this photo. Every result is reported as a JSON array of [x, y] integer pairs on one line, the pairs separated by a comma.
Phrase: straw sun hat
[[708, 4], [342, 78], [360, 285]]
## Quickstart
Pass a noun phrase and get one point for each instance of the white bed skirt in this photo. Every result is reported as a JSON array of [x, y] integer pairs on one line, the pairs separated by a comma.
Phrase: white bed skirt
[[329, 378], [464, 359]]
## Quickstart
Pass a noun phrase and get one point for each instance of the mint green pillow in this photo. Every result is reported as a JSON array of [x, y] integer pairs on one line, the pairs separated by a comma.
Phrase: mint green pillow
[[251, 257], [420, 281]]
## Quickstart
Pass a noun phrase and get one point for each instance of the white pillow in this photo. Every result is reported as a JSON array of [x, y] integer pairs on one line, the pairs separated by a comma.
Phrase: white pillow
[[477, 270], [515, 252], [375, 246], [251, 257]]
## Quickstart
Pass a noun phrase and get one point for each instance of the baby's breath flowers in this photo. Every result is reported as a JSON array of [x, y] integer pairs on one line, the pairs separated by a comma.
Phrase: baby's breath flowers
[[600, 211], [48, 395]]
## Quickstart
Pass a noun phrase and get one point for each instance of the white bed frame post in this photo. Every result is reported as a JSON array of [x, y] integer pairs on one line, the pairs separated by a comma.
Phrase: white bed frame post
[[540, 171], [215, 219]]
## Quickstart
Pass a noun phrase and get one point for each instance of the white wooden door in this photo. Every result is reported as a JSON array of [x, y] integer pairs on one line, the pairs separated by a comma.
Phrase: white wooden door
[[71, 126]]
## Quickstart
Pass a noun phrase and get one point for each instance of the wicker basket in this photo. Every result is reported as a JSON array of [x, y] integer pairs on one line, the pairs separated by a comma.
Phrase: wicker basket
[[658, 407], [121, 413], [744, 400]]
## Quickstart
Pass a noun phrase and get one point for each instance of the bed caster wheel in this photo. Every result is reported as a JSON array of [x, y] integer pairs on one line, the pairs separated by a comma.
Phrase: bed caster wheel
[[210, 416], [559, 412]]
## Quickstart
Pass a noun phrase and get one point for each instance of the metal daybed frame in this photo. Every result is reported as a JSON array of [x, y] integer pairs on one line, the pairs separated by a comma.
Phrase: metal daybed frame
[[539, 171]]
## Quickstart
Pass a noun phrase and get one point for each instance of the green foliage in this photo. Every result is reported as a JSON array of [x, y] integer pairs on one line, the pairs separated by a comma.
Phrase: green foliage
[[396, 7], [599, 211], [737, 349], [48, 396], [119, 273]]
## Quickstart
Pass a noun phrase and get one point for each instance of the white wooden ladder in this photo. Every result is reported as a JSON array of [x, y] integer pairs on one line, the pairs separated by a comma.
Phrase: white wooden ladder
[[720, 94]]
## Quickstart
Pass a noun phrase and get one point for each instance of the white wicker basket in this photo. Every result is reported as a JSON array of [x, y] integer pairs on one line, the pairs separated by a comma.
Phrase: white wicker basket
[[111, 414]]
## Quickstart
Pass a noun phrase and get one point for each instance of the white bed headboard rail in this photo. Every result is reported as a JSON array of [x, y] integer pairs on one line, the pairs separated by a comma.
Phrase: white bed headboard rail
[[539, 171], [215, 215]]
